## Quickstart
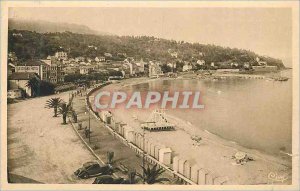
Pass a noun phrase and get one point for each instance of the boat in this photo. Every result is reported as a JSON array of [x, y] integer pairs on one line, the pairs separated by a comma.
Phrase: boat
[[281, 79]]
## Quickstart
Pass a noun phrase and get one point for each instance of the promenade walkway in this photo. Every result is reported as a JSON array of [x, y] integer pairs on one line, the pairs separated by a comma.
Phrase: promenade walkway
[[40, 148], [102, 141]]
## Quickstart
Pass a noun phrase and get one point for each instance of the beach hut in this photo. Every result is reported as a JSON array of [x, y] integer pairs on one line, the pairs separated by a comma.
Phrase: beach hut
[[165, 155]]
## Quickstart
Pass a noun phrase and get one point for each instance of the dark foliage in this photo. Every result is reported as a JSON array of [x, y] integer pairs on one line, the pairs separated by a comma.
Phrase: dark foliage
[[37, 45], [46, 88]]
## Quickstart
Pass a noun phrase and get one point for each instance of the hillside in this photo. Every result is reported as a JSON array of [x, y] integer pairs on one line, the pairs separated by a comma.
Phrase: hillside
[[50, 27], [37, 45]]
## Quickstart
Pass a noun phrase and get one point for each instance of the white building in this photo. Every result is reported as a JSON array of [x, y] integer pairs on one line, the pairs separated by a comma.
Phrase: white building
[[234, 64], [174, 54], [19, 80], [201, 62], [141, 66], [186, 67], [154, 70], [61, 55], [172, 65]]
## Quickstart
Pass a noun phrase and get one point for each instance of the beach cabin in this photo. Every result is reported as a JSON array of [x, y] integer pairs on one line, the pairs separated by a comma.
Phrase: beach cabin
[[165, 156], [106, 116]]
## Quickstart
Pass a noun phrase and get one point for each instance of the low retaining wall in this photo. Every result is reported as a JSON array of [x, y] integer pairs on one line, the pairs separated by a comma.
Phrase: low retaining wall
[[155, 153]]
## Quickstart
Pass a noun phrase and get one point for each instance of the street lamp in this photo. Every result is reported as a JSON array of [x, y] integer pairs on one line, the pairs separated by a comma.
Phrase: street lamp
[[144, 152]]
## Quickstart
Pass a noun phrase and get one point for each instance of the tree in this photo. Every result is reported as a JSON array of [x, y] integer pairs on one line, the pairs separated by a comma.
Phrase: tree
[[34, 84], [165, 68], [46, 88], [64, 109], [110, 156], [151, 175], [54, 103]]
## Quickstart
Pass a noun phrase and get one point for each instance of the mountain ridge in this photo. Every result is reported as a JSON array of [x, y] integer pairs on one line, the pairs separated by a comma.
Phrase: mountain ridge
[[41, 26]]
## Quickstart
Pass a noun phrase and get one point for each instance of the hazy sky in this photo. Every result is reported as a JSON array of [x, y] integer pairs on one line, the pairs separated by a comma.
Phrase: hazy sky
[[266, 31]]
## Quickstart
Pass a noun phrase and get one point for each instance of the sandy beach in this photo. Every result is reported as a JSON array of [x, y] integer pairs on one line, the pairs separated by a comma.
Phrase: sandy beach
[[211, 153]]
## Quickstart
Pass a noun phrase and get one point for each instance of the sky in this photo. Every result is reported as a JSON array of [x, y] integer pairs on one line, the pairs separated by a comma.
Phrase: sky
[[266, 31]]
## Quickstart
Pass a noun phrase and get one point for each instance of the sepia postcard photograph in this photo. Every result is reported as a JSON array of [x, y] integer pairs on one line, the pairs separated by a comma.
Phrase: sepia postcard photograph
[[149, 95]]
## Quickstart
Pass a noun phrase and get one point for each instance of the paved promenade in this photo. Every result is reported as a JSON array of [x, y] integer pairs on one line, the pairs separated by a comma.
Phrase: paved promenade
[[103, 141], [40, 148]]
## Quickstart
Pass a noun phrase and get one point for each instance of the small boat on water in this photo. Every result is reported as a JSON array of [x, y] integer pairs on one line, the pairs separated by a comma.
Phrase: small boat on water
[[281, 79]]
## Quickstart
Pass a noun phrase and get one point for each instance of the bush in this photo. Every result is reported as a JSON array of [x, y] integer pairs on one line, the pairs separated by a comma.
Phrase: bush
[[46, 88], [10, 101]]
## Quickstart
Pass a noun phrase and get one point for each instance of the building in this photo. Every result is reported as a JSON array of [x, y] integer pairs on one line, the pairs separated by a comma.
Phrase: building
[[69, 70], [102, 59], [123, 55], [34, 66], [172, 65], [19, 80], [55, 70], [79, 59], [234, 64], [201, 62], [140, 66], [155, 70], [247, 65], [86, 69], [186, 67], [61, 55], [174, 54]]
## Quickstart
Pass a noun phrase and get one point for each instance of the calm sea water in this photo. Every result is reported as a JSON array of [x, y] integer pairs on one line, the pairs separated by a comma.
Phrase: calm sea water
[[254, 113]]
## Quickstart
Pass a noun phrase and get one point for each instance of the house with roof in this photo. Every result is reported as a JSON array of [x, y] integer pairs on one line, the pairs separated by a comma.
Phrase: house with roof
[[187, 67], [19, 80], [200, 62], [86, 69], [155, 70], [34, 66], [55, 73], [61, 55]]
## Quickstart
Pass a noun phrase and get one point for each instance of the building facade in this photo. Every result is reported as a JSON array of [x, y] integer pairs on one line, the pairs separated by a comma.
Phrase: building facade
[[61, 55], [34, 66], [18, 81]]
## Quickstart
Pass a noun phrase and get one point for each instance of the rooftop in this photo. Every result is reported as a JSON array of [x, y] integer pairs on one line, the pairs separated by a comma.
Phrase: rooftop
[[32, 63], [21, 75]]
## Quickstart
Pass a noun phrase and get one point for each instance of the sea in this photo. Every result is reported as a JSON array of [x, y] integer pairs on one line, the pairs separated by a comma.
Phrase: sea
[[254, 113]]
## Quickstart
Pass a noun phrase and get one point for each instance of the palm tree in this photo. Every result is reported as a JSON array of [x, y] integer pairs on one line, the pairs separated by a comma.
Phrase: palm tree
[[54, 103], [151, 175], [33, 83], [110, 156], [64, 109], [131, 177]]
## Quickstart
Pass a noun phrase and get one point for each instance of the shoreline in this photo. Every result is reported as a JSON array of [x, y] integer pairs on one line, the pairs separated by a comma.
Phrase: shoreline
[[130, 82], [210, 140]]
